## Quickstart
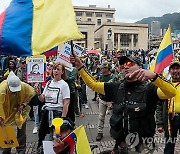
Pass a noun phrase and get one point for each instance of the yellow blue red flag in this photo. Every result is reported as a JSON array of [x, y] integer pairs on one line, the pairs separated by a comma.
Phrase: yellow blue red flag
[[31, 27], [164, 54], [78, 141]]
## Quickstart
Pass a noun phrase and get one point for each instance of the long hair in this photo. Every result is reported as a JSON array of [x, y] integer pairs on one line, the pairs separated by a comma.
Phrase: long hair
[[63, 76], [12, 61]]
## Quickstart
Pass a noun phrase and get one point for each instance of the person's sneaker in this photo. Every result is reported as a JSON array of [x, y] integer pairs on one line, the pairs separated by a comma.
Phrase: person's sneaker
[[107, 112], [32, 119], [99, 136], [35, 130], [81, 115], [40, 150], [77, 114], [94, 99], [86, 106]]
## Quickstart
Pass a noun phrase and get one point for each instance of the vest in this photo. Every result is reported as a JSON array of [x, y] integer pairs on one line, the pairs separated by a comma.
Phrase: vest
[[106, 78], [130, 113]]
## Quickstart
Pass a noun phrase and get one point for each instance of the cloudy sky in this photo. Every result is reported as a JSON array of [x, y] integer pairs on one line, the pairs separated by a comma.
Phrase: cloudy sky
[[127, 10]]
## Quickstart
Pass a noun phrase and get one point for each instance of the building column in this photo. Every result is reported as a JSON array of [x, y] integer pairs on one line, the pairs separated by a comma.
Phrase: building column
[[119, 43], [132, 41]]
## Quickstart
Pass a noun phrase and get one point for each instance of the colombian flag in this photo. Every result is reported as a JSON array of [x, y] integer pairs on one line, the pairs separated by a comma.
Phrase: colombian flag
[[51, 52], [164, 54], [78, 141], [31, 27]]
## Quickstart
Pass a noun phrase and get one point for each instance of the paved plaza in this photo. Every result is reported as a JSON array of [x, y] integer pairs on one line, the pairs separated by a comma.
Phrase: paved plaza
[[90, 122]]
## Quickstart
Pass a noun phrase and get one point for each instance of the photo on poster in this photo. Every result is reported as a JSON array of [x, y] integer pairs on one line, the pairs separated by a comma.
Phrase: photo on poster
[[36, 68]]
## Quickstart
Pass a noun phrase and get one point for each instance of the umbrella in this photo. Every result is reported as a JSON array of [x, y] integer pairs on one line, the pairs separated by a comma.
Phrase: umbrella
[[152, 51], [94, 51]]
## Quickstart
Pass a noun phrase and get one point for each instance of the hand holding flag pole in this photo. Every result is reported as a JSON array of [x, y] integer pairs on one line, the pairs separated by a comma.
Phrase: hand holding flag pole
[[72, 52], [57, 122]]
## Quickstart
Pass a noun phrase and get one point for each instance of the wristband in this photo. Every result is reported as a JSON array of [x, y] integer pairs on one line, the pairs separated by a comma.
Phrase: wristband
[[156, 76], [80, 67]]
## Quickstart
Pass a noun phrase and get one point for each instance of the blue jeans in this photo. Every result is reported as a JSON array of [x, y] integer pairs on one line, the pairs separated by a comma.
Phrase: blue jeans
[[170, 142]]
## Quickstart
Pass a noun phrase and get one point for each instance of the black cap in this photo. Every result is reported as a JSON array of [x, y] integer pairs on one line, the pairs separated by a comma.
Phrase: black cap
[[106, 65], [136, 60], [177, 63], [22, 59], [67, 124]]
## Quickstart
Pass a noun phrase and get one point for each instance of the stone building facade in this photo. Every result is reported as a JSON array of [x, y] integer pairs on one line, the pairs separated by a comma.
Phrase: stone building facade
[[101, 31]]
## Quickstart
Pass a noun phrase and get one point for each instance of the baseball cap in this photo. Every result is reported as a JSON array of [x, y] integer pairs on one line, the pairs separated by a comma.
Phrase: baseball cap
[[67, 124], [106, 65], [174, 63], [22, 59], [13, 82], [50, 64], [136, 60]]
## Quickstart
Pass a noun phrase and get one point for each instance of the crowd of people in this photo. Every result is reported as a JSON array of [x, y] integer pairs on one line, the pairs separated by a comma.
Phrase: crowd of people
[[123, 85]]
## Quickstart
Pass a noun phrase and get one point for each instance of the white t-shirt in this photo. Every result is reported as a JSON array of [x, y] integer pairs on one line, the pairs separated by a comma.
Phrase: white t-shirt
[[55, 92]]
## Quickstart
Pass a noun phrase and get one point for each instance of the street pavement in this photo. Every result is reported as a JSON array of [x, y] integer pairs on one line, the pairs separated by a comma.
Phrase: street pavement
[[90, 121]]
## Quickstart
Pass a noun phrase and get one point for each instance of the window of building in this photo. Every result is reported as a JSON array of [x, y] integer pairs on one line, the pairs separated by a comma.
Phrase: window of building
[[98, 14], [98, 21], [125, 40], [79, 13], [89, 19], [109, 15], [89, 14], [108, 20]]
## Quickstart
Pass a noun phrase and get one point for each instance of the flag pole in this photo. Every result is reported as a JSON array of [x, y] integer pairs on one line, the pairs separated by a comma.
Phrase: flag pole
[[171, 41], [72, 52]]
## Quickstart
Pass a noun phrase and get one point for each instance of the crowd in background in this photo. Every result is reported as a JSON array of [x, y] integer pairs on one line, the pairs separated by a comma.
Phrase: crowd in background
[[74, 95]]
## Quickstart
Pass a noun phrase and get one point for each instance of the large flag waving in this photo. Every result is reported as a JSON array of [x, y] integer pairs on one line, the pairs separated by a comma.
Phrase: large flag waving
[[78, 141], [164, 54], [30, 27]]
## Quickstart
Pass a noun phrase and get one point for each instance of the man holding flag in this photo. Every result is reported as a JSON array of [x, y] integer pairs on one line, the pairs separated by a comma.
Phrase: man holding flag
[[168, 112], [134, 100]]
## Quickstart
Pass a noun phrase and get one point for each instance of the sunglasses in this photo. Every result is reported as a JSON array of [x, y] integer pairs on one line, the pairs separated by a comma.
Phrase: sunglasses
[[127, 64], [49, 65]]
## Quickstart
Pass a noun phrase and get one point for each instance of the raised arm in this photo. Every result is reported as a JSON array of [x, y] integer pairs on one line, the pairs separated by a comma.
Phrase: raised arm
[[165, 89], [86, 76]]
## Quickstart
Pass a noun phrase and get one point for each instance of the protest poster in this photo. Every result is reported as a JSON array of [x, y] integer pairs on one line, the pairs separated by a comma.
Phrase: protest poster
[[8, 137], [36, 68], [65, 52]]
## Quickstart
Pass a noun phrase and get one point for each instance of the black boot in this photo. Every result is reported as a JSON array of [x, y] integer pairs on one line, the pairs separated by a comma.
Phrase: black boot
[[99, 136]]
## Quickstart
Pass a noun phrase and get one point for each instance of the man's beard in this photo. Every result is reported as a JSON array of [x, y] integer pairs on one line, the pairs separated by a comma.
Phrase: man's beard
[[176, 77]]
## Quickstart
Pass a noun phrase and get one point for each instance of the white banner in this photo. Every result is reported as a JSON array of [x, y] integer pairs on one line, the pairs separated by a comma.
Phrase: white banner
[[64, 54]]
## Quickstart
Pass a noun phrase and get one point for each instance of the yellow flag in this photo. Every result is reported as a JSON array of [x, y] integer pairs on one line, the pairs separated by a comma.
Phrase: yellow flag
[[8, 137], [82, 145], [78, 141], [54, 22]]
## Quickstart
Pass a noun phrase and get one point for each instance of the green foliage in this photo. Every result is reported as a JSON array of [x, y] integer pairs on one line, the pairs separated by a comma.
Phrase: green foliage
[[172, 19]]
